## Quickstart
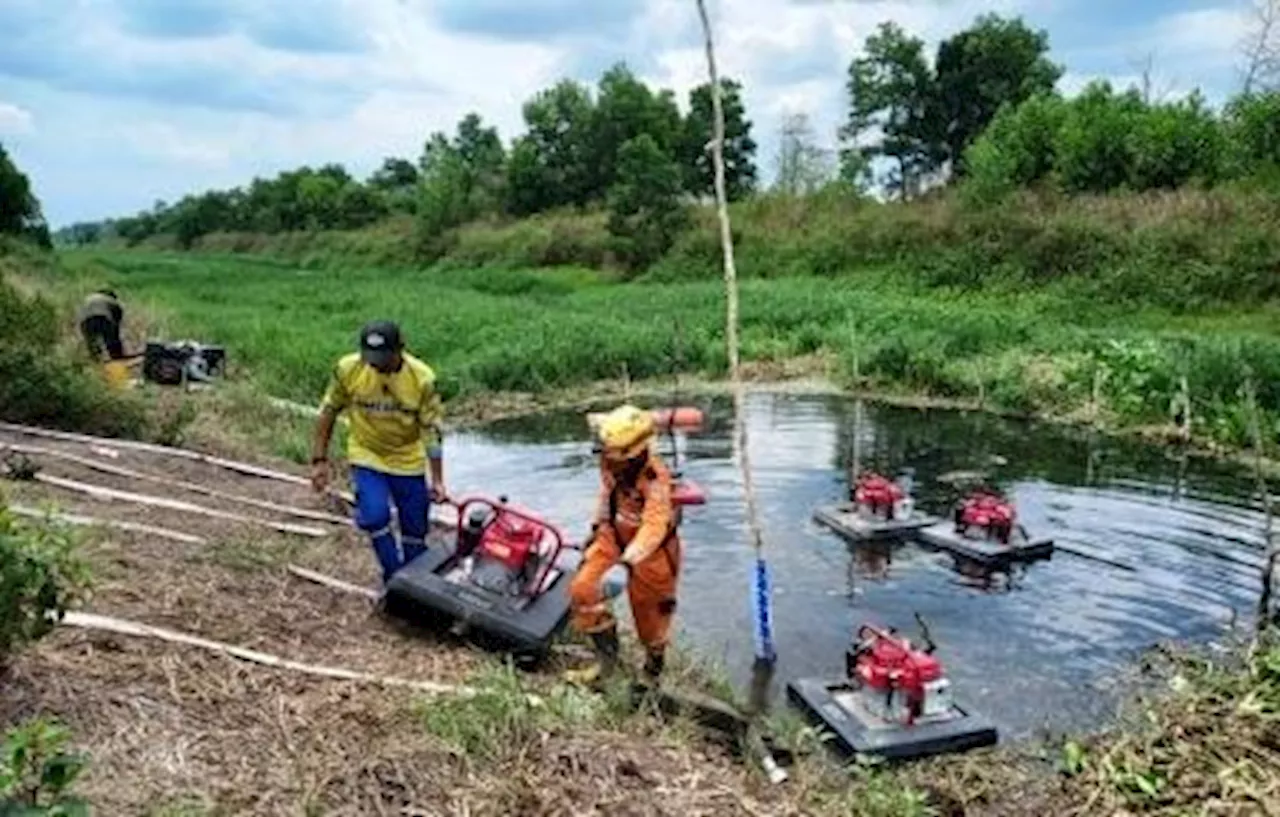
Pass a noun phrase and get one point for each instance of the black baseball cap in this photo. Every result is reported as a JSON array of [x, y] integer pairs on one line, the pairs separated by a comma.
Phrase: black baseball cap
[[379, 342]]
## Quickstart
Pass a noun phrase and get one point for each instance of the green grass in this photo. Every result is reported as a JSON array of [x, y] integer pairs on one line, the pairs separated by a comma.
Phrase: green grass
[[499, 329]]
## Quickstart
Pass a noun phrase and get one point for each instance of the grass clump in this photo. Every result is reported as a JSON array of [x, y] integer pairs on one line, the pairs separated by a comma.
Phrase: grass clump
[[37, 773], [502, 717], [1208, 747]]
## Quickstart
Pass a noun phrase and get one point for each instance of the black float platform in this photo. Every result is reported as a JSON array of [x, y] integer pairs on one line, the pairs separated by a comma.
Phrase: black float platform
[[846, 521], [833, 704], [985, 551], [421, 594]]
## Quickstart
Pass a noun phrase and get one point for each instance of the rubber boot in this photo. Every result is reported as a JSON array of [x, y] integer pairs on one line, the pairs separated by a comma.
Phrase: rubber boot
[[606, 660], [607, 649], [653, 666]]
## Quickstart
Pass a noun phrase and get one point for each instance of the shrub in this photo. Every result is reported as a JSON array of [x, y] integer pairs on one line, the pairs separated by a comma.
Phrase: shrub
[[1252, 125], [36, 773], [40, 384], [40, 579]]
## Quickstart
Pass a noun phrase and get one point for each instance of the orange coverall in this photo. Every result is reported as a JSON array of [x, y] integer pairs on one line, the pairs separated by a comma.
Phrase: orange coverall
[[643, 533]]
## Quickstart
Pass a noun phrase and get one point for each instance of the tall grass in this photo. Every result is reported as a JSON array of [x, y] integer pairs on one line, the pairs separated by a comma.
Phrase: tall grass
[[498, 329], [1178, 249]]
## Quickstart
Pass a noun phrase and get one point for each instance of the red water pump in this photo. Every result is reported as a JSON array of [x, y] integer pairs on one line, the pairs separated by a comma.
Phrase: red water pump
[[877, 494], [899, 683], [505, 545], [994, 515]]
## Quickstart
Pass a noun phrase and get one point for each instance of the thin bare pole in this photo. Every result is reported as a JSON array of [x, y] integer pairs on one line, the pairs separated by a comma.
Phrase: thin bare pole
[[764, 626], [1269, 566]]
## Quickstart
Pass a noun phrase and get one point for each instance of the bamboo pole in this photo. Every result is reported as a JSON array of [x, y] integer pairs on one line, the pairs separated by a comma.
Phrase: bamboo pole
[[331, 582], [766, 656], [1273, 552], [90, 522], [765, 650], [133, 445], [90, 621], [111, 494], [115, 470]]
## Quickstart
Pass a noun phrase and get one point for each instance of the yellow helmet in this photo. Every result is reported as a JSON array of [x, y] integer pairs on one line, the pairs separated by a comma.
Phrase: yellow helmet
[[625, 432]]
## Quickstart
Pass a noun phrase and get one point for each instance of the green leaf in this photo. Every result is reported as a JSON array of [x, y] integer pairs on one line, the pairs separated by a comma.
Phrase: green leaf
[[1074, 758]]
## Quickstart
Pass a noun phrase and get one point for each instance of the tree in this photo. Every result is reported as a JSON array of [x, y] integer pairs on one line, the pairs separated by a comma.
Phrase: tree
[[803, 167], [526, 174], [484, 163], [645, 212], [1252, 126], [460, 179], [739, 148], [555, 165], [891, 90], [442, 202], [626, 108], [394, 174], [1262, 47], [20, 213], [994, 62]]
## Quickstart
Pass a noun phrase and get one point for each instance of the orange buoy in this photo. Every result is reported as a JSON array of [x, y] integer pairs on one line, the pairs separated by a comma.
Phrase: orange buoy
[[679, 417]]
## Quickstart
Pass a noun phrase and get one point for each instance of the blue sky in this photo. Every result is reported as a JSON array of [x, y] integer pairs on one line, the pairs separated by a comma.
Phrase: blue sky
[[110, 105]]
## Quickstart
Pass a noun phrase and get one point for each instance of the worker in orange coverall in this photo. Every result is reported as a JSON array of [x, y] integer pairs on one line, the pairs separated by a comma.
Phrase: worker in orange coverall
[[633, 539]]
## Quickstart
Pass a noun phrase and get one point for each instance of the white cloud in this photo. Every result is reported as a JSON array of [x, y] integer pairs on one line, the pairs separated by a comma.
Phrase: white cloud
[[15, 120], [1215, 33], [222, 102], [156, 140]]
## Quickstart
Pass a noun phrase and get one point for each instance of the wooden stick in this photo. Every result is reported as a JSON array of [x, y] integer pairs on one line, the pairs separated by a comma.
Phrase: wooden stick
[[304, 513], [740, 442], [336, 584], [89, 522], [133, 445], [111, 494], [90, 621]]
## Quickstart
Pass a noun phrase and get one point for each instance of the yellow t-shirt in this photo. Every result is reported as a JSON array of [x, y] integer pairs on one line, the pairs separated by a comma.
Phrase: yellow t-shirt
[[394, 418]]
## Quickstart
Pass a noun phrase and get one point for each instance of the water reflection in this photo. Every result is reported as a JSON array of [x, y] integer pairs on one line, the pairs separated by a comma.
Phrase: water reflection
[[1179, 541]]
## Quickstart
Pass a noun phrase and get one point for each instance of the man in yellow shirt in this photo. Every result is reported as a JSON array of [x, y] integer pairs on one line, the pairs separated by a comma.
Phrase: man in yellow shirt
[[395, 414]]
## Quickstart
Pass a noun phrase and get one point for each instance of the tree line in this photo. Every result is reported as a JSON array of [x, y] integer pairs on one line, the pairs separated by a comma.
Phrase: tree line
[[981, 112], [20, 212], [622, 145]]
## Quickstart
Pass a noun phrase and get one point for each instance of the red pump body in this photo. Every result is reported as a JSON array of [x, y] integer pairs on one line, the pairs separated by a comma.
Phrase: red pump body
[[877, 493], [507, 545], [902, 683], [991, 513], [511, 540]]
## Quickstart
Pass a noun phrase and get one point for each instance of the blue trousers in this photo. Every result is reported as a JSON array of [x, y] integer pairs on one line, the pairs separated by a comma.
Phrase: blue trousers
[[375, 491]]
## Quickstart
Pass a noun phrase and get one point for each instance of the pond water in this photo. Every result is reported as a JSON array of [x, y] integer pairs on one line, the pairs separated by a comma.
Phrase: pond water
[[1039, 648]]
